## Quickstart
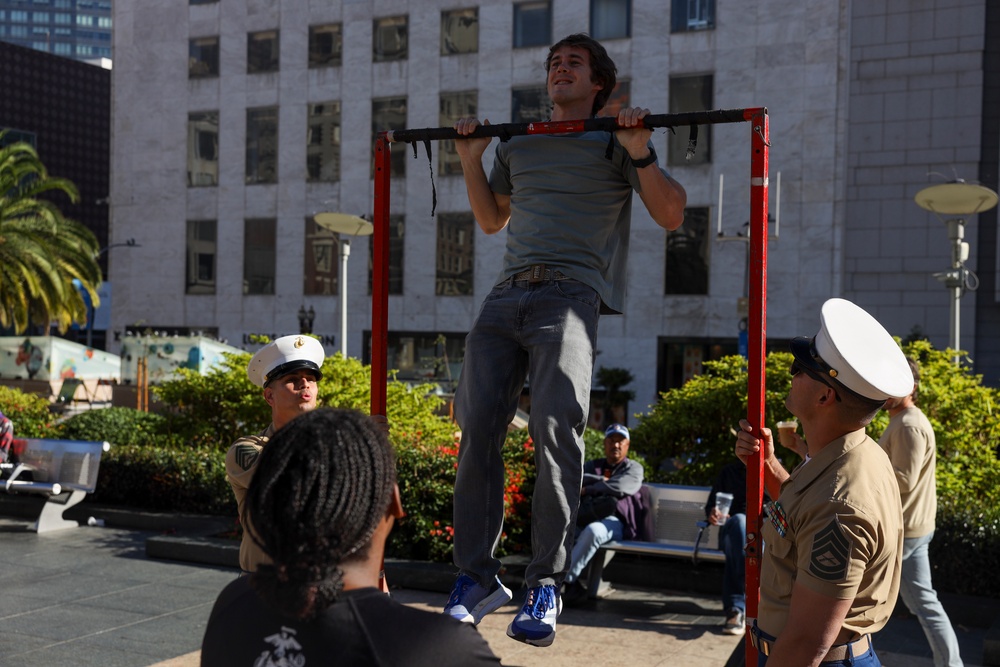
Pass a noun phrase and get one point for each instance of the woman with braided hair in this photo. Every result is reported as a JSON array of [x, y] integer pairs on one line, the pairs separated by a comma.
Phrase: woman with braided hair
[[323, 501]]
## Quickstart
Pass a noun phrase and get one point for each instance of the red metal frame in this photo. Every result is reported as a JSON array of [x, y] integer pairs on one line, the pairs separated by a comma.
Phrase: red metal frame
[[760, 143]]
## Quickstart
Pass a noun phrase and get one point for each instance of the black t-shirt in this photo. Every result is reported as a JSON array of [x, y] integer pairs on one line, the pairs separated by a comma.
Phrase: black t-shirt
[[364, 627]]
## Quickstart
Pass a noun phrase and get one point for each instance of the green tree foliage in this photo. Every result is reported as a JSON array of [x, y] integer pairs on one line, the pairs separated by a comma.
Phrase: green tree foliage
[[214, 409], [29, 413], [689, 435], [41, 251]]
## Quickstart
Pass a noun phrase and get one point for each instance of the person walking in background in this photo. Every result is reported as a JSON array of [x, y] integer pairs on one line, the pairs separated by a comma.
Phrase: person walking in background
[[732, 541], [323, 502], [909, 441], [566, 203]]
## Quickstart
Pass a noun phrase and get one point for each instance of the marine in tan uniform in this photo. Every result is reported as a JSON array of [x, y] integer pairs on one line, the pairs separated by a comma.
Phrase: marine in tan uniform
[[287, 370], [833, 539]]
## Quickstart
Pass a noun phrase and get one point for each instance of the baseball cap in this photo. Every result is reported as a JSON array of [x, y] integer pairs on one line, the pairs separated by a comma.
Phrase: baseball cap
[[616, 428]]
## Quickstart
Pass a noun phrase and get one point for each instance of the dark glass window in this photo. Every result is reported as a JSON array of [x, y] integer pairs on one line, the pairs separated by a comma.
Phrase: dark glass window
[[203, 57], [453, 106], [532, 24], [690, 93], [200, 259], [459, 31], [389, 113], [259, 239], [689, 15], [323, 142], [530, 104], [395, 256], [687, 255], [262, 52], [320, 260], [262, 145], [610, 19], [203, 148], [455, 254], [326, 45], [389, 39]]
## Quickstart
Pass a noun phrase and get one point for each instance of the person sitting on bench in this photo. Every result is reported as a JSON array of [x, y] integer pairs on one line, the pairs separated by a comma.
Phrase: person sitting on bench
[[609, 506]]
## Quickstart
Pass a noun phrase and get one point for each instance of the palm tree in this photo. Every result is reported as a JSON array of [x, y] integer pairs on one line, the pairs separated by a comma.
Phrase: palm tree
[[41, 251]]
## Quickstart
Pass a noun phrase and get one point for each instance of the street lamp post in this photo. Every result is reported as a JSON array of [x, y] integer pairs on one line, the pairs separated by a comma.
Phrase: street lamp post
[[959, 199], [345, 226], [306, 318], [128, 243]]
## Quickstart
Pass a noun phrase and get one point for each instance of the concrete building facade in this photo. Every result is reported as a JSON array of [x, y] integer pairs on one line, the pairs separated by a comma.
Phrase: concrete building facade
[[236, 122]]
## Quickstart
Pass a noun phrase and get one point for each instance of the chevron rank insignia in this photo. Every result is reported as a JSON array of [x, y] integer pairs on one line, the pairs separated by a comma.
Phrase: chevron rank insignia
[[246, 456], [831, 553]]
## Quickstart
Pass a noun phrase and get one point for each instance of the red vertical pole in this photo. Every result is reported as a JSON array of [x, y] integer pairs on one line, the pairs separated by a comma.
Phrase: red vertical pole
[[756, 357], [380, 277]]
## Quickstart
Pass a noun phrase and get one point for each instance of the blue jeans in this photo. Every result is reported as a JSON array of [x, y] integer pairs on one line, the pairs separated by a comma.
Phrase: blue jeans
[[866, 659], [920, 598], [732, 541], [547, 332], [590, 539]]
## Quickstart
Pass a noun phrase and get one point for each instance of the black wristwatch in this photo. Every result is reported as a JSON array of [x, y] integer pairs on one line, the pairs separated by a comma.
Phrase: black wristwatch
[[646, 161]]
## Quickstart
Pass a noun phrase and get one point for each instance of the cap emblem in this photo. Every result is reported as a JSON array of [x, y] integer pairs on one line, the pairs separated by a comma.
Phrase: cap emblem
[[299, 342]]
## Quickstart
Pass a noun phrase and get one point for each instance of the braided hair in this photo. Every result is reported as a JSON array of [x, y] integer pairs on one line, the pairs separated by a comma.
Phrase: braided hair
[[323, 484]]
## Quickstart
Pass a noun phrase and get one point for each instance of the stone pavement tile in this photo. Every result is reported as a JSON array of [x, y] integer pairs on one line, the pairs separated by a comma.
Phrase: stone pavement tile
[[631, 629]]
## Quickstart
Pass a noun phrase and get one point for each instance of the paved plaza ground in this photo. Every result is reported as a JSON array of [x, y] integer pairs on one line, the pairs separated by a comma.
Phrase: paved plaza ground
[[92, 596]]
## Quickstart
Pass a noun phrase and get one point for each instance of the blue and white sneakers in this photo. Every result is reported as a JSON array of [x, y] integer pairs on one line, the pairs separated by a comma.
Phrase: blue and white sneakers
[[470, 602], [536, 624]]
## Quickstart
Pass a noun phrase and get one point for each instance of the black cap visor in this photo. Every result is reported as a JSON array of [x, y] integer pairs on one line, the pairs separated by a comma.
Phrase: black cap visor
[[291, 367]]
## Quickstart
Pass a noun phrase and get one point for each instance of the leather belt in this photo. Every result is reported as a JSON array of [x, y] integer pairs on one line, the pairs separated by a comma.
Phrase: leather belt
[[838, 652], [537, 273]]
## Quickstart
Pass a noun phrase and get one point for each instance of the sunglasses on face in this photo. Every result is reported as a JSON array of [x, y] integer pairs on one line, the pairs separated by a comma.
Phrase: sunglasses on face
[[799, 368]]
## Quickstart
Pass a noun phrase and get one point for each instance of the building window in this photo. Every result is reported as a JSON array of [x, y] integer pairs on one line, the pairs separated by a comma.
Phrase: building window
[[259, 238], [687, 255], [203, 57], [39, 17], [320, 273], [64, 19], [611, 19], [532, 24], [389, 113], [459, 31], [326, 44], [62, 49], [453, 106], [203, 148], [690, 93], [395, 256], [262, 145], [421, 356], [688, 15], [389, 39], [262, 52], [455, 254], [530, 104], [203, 2], [680, 359], [620, 98], [201, 251], [323, 142], [18, 16]]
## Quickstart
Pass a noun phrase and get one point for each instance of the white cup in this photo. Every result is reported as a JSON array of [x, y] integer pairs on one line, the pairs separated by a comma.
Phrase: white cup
[[723, 501]]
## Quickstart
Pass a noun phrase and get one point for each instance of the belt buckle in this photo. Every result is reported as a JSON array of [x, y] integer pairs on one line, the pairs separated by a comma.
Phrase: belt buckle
[[537, 274]]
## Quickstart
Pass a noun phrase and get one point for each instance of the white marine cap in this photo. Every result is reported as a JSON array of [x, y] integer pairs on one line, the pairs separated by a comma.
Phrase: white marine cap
[[855, 350], [284, 355]]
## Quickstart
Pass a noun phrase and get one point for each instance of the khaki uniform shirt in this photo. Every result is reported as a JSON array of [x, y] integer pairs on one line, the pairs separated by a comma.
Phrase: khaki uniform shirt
[[241, 463], [909, 442], [844, 537]]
